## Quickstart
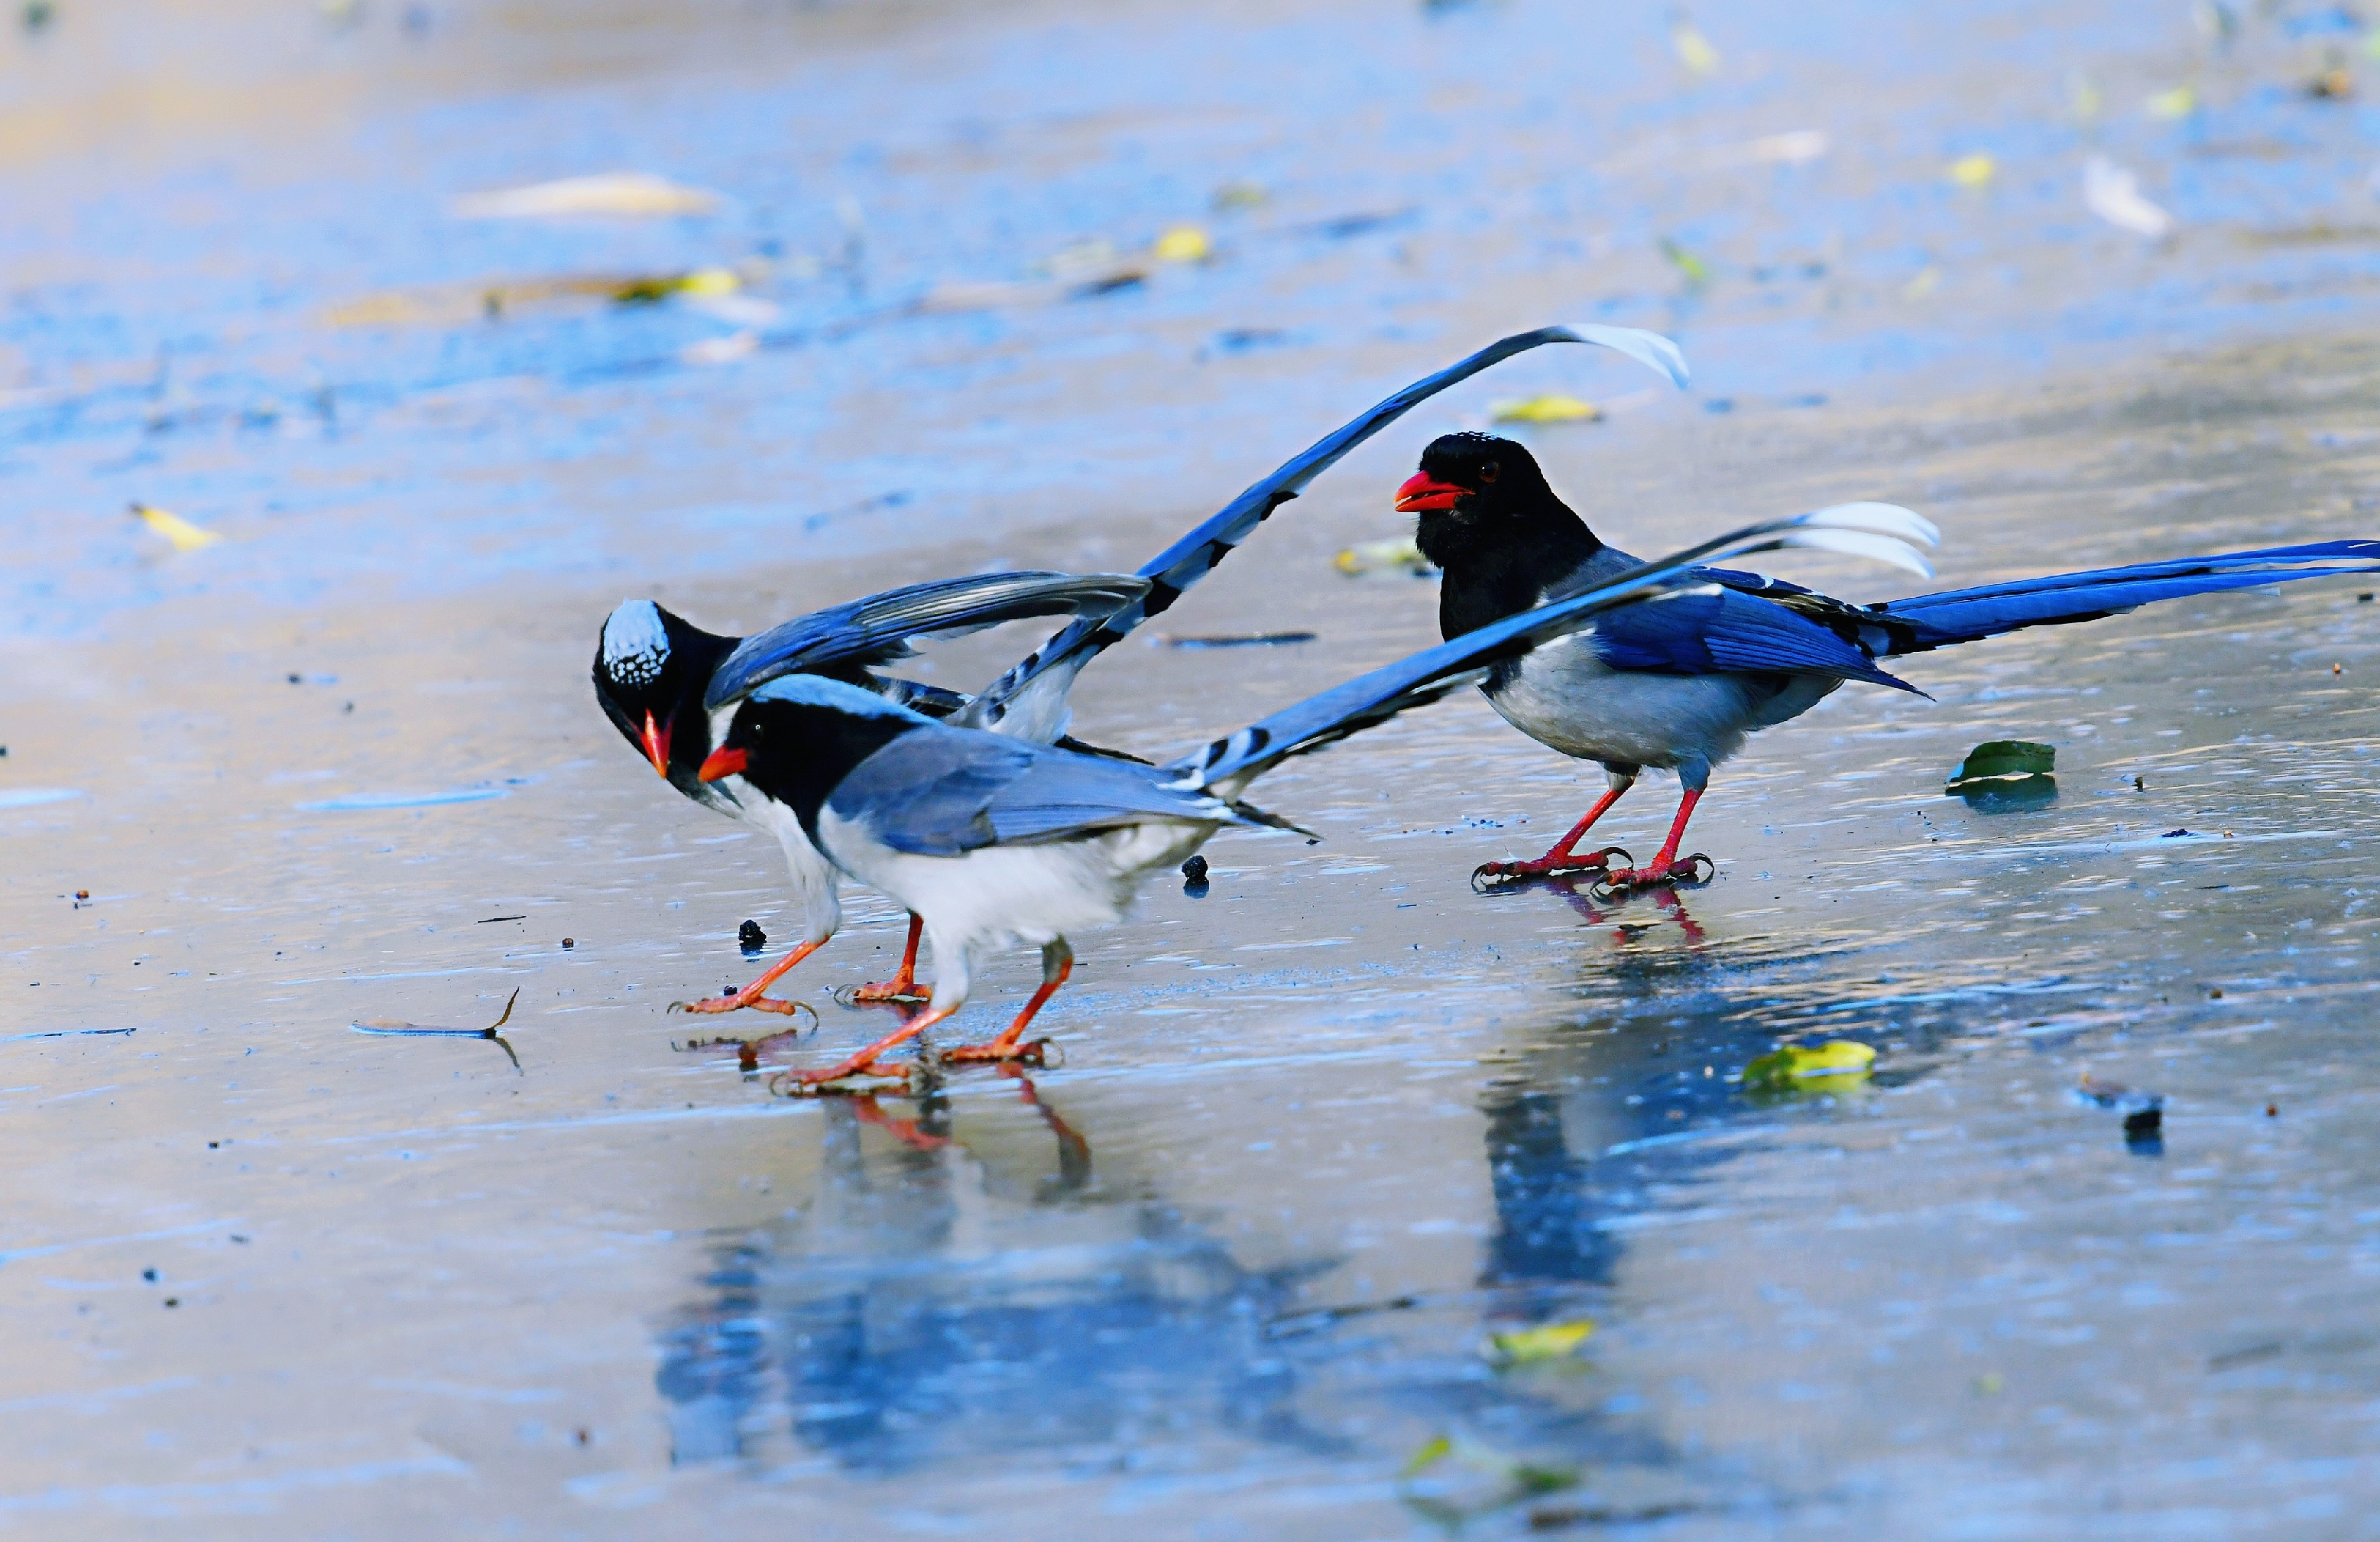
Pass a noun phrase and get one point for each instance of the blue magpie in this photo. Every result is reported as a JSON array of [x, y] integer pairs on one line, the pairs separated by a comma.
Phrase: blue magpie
[[669, 687], [1679, 686], [997, 842]]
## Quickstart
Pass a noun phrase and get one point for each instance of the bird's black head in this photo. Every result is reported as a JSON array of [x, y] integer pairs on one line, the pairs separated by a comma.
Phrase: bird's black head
[[651, 668], [1489, 520], [796, 737]]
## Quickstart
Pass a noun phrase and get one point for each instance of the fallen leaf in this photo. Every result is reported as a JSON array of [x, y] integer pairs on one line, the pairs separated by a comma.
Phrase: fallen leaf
[[1694, 51], [1184, 243], [2114, 194], [1799, 1064], [1399, 556], [721, 351], [2181, 101], [2082, 95], [2003, 761], [1551, 1340], [1238, 195], [635, 194], [1432, 1452], [1973, 170], [1927, 280], [185, 536], [702, 281], [1686, 263], [1790, 149], [1545, 409]]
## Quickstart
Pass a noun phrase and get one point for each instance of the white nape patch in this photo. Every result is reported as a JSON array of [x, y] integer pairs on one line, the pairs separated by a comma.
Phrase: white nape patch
[[636, 644], [814, 690]]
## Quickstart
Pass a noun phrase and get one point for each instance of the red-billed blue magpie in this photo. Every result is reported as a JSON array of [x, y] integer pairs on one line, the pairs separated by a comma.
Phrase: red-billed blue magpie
[[1679, 686], [997, 842], [669, 685]]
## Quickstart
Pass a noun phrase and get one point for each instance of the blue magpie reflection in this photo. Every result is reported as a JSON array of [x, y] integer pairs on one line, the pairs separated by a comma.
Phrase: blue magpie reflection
[[938, 1298]]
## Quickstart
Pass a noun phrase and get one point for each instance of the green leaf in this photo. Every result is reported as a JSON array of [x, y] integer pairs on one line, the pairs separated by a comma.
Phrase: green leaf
[[1435, 1451], [2003, 761], [1802, 1064], [1550, 1341]]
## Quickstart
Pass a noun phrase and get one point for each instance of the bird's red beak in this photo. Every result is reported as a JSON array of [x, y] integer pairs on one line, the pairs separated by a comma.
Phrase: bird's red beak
[[1423, 491], [657, 741], [723, 762]]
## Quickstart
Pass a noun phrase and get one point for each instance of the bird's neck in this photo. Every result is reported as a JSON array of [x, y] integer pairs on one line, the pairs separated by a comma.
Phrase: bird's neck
[[810, 751], [1489, 579], [698, 655]]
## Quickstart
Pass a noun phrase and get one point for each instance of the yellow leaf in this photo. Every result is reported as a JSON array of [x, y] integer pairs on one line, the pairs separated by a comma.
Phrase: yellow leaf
[[1550, 1341], [185, 536], [2084, 94], [702, 281], [1545, 409], [2181, 101], [1694, 49], [1797, 1064], [1239, 195], [1437, 1450], [1686, 263], [624, 192], [1184, 243], [1973, 170], [1381, 556]]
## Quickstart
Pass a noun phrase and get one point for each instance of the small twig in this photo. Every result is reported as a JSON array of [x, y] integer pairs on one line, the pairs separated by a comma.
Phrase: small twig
[[415, 1030]]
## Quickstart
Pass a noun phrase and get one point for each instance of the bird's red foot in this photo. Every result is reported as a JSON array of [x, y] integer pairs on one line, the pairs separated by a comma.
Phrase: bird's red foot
[[1001, 1052], [898, 990], [747, 1047], [1488, 874], [911, 1132], [1696, 871], [742, 1000], [852, 1078]]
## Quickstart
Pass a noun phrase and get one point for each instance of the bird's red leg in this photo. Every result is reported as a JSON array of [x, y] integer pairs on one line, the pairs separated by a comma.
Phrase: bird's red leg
[[1666, 867], [901, 987], [1560, 859], [865, 1063], [908, 1131], [750, 996], [1057, 962]]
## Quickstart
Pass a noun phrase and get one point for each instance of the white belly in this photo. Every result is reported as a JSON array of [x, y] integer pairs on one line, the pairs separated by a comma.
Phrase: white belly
[[1003, 896], [1565, 697]]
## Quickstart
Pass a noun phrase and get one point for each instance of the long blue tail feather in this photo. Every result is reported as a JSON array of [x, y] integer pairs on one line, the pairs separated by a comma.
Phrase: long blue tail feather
[[1191, 558], [1930, 621]]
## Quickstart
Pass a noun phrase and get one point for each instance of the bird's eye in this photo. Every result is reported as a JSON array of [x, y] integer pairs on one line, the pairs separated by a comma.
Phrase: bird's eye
[[1487, 472]]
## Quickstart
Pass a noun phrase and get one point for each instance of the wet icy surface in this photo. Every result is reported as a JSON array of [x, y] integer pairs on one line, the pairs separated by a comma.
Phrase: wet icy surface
[[1320, 1135]]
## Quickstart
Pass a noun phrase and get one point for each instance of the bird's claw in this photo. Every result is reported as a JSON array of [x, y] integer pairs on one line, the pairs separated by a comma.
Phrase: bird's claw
[[1489, 876], [747, 1047], [738, 1001], [1695, 872], [1036, 1052], [842, 1081], [898, 993]]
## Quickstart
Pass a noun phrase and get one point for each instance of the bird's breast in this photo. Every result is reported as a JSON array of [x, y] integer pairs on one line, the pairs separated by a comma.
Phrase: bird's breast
[[1566, 697]]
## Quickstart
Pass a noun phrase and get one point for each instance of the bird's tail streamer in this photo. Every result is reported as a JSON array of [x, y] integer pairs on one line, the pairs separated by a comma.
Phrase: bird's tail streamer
[[1880, 532], [1930, 621], [1029, 701]]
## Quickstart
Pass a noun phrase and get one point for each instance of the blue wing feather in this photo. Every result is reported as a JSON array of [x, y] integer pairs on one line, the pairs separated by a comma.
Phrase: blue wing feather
[[1729, 632], [941, 791]]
